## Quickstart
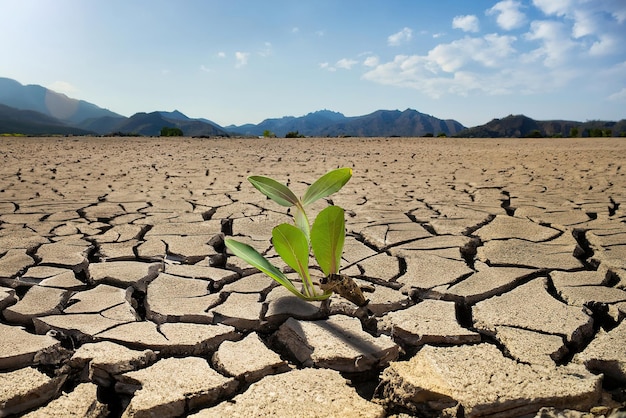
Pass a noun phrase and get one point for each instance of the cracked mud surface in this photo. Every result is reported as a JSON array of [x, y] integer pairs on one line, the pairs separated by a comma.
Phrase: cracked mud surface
[[495, 271]]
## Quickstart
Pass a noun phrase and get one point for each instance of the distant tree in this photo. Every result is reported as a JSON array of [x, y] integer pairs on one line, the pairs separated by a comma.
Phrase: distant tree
[[167, 131], [428, 135], [595, 133], [294, 134], [535, 133], [607, 133], [442, 135], [268, 134], [573, 132]]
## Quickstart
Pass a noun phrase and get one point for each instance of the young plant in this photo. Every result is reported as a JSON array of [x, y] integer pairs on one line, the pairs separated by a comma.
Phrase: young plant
[[293, 243]]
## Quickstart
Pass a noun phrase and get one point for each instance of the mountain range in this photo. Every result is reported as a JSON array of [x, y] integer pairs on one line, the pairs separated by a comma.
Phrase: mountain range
[[36, 110]]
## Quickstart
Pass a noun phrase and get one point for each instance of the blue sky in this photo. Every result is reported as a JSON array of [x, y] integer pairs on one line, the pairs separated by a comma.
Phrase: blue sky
[[238, 61]]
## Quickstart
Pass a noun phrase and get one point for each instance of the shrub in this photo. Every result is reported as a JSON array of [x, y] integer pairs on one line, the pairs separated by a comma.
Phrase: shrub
[[167, 131], [294, 134]]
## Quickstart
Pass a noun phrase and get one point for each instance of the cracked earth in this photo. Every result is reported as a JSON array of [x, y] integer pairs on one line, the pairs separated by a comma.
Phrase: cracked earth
[[495, 271]]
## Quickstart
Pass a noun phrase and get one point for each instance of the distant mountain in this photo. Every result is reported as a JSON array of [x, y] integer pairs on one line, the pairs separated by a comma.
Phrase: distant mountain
[[409, 123], [48, 102], [310, 124], [152, 123], [103, 125], [29, 122], [176, 115], [520, 126], [380, 123]]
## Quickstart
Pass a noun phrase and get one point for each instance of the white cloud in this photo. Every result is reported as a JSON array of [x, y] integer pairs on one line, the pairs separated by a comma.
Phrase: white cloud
[[242, 59], [554, 7], [401, 37], [221, 54], [458, 67], [206, 69], [371, 61], [566, 49], [346, 63], [619, 96], [63, 87], [468, 23], [555, 43], [327, 66], [489, 51], [602, 20], [266, 51], [604, 46], [508, 14]]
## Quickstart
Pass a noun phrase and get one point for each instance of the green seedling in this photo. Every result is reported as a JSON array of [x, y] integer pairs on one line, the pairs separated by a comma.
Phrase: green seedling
[[294, 243]]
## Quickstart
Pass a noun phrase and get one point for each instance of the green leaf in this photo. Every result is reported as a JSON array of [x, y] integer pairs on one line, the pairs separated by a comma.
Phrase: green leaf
[[293, 247], [326, 185], [276, 191], [255, 259], [302, 222], [327, 238]]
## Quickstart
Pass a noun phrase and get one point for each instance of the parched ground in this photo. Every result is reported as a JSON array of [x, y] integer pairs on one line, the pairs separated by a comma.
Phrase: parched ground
[[495, 271]]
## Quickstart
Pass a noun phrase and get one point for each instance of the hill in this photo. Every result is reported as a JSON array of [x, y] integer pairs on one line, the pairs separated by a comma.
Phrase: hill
[[520, 126], [29, 122], [151, 124], [380, 123], [310, 124], [409, 123], [48, 102]]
